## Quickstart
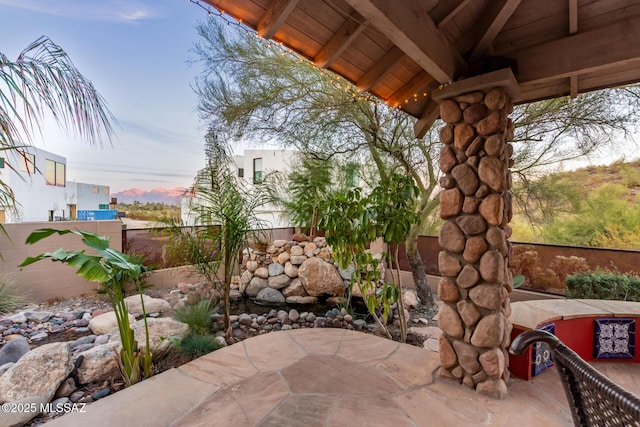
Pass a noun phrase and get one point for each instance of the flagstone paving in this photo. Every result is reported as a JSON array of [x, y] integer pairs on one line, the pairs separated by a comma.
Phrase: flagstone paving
[[329, 377]]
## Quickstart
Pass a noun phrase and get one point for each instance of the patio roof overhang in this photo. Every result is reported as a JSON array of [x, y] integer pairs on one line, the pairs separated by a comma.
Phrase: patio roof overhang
[[403, 50]]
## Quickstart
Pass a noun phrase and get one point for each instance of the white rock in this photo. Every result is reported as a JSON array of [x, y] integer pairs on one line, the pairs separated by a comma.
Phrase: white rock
[[37, 316], [283, 258], [106, 323], [245, 279], [151, 305], [18, 318], [410, 299], [159, 329], [290, 270], [252, 266], [262, 273], [309, 249], [280, 243]]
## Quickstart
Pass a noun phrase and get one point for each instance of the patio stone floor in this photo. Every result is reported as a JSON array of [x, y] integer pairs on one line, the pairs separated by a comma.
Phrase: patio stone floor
[[329, 377]]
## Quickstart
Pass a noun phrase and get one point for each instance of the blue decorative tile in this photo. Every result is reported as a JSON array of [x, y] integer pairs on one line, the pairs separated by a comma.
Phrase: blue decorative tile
[[541, 353], [615, 338]]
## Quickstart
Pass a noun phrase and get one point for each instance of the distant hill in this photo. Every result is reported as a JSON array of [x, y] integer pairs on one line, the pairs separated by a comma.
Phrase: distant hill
[[157, 195]]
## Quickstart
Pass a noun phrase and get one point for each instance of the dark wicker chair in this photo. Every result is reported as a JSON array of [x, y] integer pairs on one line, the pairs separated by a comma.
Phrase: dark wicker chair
[[594, 399]]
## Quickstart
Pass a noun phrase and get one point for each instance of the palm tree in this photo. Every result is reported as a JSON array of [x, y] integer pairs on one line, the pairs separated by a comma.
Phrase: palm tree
[[44, 80], [227, 209]]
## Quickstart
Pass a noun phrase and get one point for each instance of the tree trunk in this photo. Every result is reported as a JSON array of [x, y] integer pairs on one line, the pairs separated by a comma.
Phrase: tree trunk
[[418, 272], [227, 286]]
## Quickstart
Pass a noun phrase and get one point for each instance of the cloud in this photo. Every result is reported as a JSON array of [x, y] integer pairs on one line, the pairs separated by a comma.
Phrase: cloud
[[154, 133], [105, 10]]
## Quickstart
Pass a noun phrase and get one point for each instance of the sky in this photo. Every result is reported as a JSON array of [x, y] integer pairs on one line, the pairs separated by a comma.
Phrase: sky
[[138, 54]]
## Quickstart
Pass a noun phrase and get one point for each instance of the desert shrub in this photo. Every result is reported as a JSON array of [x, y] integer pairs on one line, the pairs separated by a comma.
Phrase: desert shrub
[[605, 219], [10, 298], [197, 315], [566, 266], [197, 345], [604, 285], [526, 262], [630, 174]]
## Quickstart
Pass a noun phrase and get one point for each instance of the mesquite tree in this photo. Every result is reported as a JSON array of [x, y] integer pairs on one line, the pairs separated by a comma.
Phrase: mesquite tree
[[260, 92]]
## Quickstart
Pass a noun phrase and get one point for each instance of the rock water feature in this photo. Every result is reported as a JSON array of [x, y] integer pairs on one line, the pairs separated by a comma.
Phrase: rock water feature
[[475, 205], [292, 272], [76, 342]]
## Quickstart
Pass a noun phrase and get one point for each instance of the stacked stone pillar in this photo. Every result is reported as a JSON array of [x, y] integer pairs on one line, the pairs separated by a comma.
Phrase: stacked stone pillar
[[475, 204]]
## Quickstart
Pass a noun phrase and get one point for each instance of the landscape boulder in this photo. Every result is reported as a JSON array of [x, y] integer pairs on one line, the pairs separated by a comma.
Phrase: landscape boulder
[[159, 329], [151, 305], [106, 323], [38, 373], [99, 363], [320, 278]]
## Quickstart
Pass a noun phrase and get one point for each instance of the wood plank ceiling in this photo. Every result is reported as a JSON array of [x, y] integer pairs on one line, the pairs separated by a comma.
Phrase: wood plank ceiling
[[402, 50]]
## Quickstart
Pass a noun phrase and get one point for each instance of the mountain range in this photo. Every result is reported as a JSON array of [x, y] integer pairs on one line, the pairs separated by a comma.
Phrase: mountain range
[[169, 196]]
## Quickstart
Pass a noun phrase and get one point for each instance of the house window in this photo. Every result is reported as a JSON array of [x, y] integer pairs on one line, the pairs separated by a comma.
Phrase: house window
[[103, 206], [27, 163], [257, 170], [351, 173], [241, 172], [105, 191], [94, 190], [54, 173]]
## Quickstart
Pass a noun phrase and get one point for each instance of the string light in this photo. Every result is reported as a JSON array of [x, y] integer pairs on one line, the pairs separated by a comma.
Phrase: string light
[[337, 81]]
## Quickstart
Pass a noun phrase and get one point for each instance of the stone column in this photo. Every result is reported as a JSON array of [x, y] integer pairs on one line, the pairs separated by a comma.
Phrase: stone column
[[475, 204]]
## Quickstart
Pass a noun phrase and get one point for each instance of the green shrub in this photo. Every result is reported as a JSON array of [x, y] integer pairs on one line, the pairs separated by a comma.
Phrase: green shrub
[[604, 285], [10, 299], [197, 315], [198, 345]]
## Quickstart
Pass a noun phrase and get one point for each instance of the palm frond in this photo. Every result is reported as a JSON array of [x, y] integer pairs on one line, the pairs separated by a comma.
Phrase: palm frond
[[43, 79]]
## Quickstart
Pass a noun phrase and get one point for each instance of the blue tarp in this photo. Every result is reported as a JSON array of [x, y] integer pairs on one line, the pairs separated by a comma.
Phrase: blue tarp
[[97, 215]]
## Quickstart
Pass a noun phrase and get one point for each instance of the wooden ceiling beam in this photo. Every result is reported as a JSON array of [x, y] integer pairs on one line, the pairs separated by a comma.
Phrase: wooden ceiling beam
[[490, 24], [598, 49], [573, 16], [345, 35], [376, 73], [573, 28], [410, 28], [438, 12], [415, 86], [429, 115], [275, 15]]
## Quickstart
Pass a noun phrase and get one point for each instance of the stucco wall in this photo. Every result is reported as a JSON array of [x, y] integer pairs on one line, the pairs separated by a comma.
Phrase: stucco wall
[[46, 279]]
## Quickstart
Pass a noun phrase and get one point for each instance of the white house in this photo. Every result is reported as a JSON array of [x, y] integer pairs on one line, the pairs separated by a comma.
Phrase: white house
[[251, 168], [41, 190]]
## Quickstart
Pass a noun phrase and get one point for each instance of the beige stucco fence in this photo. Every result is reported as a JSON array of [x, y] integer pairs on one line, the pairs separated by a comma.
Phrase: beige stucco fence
[[46, 279]]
